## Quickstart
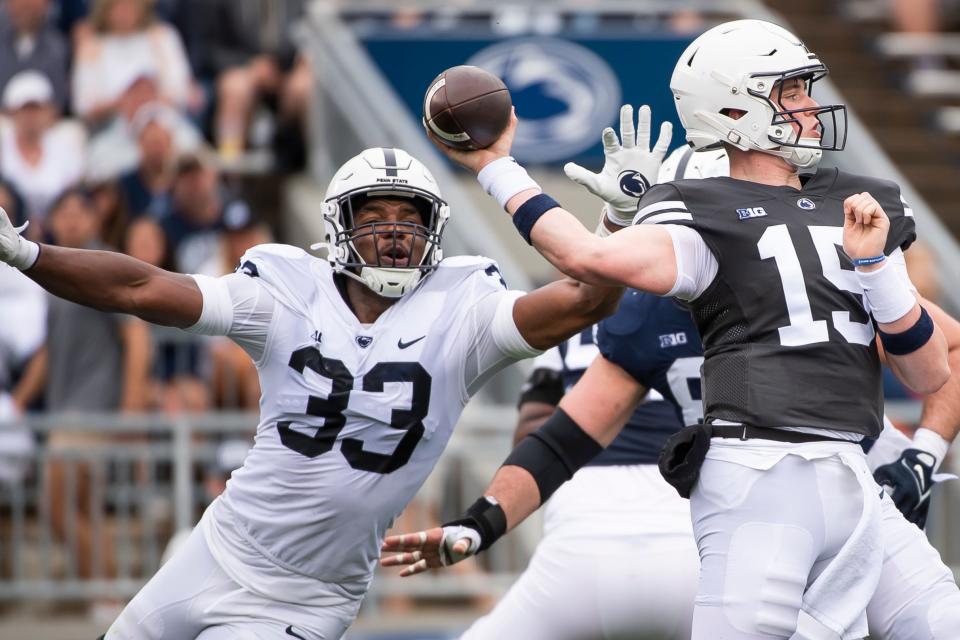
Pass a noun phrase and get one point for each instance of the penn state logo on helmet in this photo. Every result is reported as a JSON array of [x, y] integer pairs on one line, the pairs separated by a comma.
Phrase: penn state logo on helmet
[[561, 91], [632, 183]]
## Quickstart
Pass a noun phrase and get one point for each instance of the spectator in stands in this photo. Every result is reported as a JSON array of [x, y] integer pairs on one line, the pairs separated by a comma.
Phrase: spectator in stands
[[252, 56], [91, 362], [200, 202], [109, 203], [147, 189], [127, 43], [145, 240], [29, 41], [38, 155], [114, 150]]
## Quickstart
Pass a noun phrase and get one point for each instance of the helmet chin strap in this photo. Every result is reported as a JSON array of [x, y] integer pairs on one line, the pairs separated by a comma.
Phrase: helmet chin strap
[[800, 157], [386, 281]]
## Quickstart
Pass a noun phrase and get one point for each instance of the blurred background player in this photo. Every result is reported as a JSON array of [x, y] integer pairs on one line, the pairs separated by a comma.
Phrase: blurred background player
[[618, 555]]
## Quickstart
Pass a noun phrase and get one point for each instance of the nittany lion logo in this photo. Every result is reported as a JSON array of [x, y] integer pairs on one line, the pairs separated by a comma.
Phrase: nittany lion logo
[[633, 183], [806, 203]]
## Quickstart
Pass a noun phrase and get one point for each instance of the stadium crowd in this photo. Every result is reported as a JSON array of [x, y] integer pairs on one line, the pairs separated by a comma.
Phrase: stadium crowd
[[123, 126]]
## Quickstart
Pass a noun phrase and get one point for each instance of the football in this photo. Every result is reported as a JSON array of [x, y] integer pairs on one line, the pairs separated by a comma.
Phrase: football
[[467, 107]]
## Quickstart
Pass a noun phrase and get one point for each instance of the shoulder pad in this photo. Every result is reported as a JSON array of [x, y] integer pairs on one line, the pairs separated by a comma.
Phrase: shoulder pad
[[290, 273]]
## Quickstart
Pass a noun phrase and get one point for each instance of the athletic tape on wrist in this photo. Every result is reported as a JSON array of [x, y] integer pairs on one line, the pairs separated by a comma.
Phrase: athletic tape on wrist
[[906, 342], [504, 178], [531, 211], [487, 518], [933, 443], [886, 293]]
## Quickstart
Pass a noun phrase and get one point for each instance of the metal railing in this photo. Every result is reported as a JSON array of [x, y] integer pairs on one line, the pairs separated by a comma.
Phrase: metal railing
[[128, 484], [101, 495]]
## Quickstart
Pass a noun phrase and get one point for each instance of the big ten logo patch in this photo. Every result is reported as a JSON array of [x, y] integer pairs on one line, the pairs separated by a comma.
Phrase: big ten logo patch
[[673, 339]]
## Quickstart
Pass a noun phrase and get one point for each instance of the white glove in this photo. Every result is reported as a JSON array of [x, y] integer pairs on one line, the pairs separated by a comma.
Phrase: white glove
[[629, 168], [14, 250]]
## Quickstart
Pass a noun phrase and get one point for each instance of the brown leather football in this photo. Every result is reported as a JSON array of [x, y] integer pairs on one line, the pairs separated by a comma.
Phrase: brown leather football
[[467, 107]]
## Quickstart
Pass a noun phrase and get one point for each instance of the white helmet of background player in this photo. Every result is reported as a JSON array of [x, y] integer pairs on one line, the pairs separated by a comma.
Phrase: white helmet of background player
[[684, 163], [383, 172], [737, 66]]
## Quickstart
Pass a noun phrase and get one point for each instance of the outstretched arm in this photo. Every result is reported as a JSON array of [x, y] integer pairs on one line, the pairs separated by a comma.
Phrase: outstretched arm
[[598, 406], [640, 257], [104, 280]]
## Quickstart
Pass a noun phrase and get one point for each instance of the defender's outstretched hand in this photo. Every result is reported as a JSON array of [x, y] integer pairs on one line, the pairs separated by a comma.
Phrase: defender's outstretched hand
[[424, 550], [14, 250], [865, 226], [629, 167], [479, 158]]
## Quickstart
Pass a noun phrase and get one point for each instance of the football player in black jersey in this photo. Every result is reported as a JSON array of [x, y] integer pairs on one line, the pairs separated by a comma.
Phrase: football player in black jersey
[[788, 278]]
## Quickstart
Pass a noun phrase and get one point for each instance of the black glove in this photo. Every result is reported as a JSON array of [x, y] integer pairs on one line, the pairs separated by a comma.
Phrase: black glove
[[911, 480]]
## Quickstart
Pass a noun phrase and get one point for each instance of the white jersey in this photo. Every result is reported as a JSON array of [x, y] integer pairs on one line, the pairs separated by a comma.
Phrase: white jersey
[[353, 417]]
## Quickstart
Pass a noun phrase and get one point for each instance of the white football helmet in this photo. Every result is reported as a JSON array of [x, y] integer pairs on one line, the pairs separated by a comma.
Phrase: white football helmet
[[684, 163], [383, 172], [738, 65]]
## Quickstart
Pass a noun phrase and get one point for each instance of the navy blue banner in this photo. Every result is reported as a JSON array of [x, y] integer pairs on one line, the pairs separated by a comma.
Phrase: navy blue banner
[[565, 90]]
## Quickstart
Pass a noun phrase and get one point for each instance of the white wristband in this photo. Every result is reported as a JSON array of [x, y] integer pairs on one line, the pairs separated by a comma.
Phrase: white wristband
[[931, 442], [618, 218], [504, 178], [27, 251], [887, 295]]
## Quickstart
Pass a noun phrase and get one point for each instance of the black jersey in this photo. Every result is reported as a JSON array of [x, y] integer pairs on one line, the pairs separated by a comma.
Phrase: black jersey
[[787, 339]]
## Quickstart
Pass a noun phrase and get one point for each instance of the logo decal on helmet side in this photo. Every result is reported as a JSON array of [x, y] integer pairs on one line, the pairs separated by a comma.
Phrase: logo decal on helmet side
[[633, 183], [806, 204]]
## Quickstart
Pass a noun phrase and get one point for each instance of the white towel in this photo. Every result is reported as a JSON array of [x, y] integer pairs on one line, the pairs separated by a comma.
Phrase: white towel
[[834, 606]]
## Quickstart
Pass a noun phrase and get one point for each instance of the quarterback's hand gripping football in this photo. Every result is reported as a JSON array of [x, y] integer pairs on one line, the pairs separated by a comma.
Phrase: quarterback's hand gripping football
[[425, 550], [15, 250], [909, 481], [865, 226], [629, 166], [479, 158]]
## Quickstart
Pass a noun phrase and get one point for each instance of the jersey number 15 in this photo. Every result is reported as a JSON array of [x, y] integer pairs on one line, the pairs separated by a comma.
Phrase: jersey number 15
[[775, 243]]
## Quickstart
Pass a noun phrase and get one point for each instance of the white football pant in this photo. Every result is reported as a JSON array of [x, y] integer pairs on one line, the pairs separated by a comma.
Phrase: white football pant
[[617, 559], [191, 598], [765, 536]]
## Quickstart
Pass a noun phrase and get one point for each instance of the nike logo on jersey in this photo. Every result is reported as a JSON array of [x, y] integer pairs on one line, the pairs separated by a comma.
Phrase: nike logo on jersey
[[751, 212], [403, 345], [290, 632]]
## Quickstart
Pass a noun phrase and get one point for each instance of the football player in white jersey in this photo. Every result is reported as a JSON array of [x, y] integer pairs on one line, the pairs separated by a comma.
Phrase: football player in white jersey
[[366, 361]]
